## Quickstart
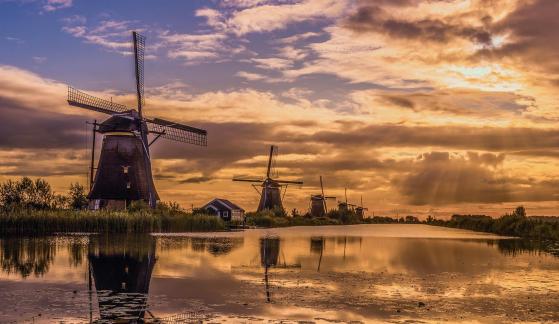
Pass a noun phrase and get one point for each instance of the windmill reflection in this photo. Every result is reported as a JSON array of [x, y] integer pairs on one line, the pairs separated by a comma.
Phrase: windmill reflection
[[121, 269], [269, 256], [317, 247]]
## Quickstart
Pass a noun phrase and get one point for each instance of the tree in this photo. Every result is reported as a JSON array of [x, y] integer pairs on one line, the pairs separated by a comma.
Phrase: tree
[[77, 196], [520, 211], [412, 219], [26, 193]]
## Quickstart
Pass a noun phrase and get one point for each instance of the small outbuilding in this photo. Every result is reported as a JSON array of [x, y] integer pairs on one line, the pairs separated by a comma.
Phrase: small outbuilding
[[225, 209]]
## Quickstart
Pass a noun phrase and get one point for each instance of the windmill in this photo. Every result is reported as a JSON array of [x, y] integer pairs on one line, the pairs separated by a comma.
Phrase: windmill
[[124, 169], [270, 195], [360, 210], [318, 202], [344, 205]]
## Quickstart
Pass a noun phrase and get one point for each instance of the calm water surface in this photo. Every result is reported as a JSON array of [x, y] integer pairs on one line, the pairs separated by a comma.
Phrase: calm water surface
[[366, 273]]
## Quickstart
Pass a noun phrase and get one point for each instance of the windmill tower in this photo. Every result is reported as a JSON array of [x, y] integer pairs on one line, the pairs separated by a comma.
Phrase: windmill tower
[[344, 205], [360, 210], [124, 169], [318, 206], [271, 193]]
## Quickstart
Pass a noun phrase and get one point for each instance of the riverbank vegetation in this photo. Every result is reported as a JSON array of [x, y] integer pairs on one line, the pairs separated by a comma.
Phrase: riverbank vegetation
[[516, 223], [31, 207]]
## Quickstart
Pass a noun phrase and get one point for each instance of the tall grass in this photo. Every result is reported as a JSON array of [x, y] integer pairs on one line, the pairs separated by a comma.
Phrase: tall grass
[[32, 221]]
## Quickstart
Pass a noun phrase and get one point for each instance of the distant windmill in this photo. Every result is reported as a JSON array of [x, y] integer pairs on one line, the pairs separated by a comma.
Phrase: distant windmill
[[270, 195], [318, 202], [124, 169], [360, 210], [344, 205]]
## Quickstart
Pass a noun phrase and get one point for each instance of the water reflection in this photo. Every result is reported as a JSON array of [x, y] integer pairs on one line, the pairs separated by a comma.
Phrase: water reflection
[[269, 255], [121, 269], [215, 245], [26, 256], [147, 278]]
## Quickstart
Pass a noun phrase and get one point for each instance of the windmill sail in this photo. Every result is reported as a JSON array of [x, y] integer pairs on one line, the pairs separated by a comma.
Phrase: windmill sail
[[83, 100], [139, 48], [178, 132]]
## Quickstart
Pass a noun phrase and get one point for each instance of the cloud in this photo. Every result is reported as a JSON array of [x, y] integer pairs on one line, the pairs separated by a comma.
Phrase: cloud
[[250, 76], [195, 180], [531, 39], [453, 102], [15, 40], [496, 139], [298, 37], [197, 48], [439, 178], [53, 5], [39, 59], [259, 19], [213, 17], [376, 19], [112, 35]]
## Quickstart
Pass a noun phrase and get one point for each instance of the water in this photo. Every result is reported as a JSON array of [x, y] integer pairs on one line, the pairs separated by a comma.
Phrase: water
[[367, 273]]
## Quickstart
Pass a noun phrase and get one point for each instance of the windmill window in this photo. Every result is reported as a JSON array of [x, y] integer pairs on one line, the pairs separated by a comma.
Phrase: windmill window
[[128, 185], [125, 169]]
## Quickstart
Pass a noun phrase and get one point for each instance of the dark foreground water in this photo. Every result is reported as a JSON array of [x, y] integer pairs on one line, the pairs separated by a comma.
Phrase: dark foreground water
[[367, 273]]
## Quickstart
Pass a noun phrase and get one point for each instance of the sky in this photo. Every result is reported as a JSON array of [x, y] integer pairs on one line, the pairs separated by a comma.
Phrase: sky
[[420, 107]]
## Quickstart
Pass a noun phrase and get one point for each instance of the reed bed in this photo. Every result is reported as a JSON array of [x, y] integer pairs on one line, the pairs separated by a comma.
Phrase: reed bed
[[32, 222]]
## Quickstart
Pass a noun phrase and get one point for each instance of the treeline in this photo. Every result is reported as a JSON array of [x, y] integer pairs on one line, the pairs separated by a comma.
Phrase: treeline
[[38, 195], [31, 207], [516, 223], [279, 218], [345, 216]]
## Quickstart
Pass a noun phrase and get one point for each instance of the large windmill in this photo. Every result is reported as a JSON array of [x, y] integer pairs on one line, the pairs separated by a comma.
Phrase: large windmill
[[271, 193], [318, 202], [124, 169]]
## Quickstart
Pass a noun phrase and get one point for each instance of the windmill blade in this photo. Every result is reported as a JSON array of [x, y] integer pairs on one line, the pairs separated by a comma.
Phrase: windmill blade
[[139, 48], [83, 100], [273, 170], [177, 132], [329, 197], [287, 181], [323, 198], [248, 180], [268, 170]]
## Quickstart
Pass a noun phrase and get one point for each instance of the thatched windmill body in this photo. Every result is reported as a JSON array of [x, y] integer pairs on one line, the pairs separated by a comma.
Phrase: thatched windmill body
[[318, 206], [124, 169], [271, 192]]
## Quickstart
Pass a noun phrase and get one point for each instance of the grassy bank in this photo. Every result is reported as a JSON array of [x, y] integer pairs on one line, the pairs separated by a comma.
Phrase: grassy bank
[[29, 221]]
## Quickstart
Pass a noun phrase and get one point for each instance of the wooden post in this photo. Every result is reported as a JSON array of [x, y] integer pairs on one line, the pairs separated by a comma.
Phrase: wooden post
[[92, 156]]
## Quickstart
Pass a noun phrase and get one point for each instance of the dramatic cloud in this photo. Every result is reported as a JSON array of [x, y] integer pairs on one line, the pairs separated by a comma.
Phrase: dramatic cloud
[[439, 178], [423, 107], [375, 19], [259, 19]]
